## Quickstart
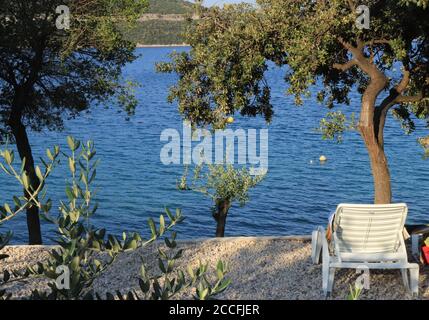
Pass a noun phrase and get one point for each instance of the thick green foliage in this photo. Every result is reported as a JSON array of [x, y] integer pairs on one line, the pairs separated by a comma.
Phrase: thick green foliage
[[335, 124], [46, 72], [224, 71], [221, 182]]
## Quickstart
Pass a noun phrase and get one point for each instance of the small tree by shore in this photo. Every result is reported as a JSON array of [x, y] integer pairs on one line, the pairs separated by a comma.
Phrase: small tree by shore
[[225, 185]]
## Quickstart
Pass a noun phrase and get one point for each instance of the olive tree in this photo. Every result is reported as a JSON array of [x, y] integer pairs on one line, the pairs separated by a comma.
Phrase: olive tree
[[224, 184], [320, 42], [54, 65]]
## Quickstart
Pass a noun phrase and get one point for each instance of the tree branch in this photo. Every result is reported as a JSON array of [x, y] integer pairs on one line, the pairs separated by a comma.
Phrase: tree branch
[[366, 66], [345, 66], [352, 5], [409, 99], [402, 86], [394, 97], [348, 46], [377, 41]]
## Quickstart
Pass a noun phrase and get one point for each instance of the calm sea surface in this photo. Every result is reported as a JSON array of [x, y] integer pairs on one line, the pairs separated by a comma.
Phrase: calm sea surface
[[297, 194]]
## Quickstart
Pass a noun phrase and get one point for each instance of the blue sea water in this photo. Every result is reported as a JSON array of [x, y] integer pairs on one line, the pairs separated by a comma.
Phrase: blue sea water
[[298, 193]]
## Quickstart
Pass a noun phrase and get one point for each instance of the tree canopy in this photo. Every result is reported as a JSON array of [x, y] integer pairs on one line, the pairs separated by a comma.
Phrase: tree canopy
[[320, 43], [48, 71]]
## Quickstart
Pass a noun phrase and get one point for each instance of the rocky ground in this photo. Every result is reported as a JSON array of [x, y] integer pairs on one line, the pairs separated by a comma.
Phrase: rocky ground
[[260, 268]]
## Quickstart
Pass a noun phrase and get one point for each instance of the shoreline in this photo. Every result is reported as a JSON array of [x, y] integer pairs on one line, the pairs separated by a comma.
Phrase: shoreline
[[303, 237], [260, 268], [162, 45]]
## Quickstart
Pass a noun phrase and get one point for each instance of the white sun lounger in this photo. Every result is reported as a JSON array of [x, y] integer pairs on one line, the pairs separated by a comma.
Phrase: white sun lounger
[[365, 237]]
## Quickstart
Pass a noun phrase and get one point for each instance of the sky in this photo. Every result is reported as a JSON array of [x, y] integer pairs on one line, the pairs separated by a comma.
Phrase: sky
[[220, 2]]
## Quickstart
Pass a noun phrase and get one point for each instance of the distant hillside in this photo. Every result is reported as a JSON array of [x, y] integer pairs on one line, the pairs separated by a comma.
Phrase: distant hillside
[[158, 32], [170, 6], [163, 23]]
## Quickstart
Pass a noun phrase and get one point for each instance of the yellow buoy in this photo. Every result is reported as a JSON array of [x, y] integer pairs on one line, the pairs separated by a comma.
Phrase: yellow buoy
[[230, 120], [323, 158]]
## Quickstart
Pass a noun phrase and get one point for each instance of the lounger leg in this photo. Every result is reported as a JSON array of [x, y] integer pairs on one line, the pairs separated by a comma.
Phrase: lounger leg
[[404, 273], [331, 280], [325, 278], [326, 272], [325, 260], [414, 280], [316, 246]]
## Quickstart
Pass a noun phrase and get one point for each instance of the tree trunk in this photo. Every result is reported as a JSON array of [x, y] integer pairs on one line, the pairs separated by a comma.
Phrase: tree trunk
[[24, 150], [222, 207], [379, 166], [372, 119], [371, 127]]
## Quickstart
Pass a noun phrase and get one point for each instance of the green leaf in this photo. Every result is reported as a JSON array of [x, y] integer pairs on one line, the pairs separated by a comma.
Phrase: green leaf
[[170, 265], [162, 254], [93, 175], [203, 294], [169, 214], [161, 225], [8, 156], [39, 173], [49, 154], [143, 271], [220, 269], [178, 254], [17, 201], [144, 285], [7, 208], [69, 193], [25, 180], [6, 276], [152, 227], [72, 165], [71, 143], [190, 271], [75, 263], [132, 245], [223, 286], [161, 266]]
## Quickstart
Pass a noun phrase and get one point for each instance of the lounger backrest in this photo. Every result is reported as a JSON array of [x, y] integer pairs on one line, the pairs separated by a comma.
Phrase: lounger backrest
[[369, 228]]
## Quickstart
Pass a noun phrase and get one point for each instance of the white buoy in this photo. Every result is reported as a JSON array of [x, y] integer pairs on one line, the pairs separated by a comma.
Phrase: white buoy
[[323, 158]]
